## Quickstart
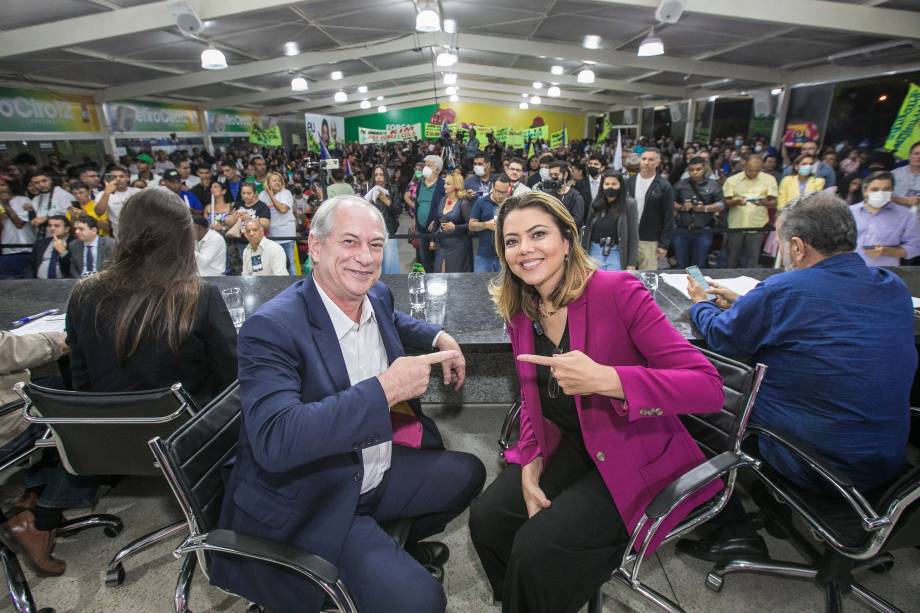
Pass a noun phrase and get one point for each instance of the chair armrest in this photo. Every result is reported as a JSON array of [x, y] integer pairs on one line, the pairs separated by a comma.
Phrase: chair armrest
[[504, 437], [690, 482], [870, 518], [10, 407], [280, 554]]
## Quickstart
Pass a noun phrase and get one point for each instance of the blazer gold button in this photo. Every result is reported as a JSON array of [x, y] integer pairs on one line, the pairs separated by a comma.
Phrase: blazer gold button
[[659, 411], [600, 456]]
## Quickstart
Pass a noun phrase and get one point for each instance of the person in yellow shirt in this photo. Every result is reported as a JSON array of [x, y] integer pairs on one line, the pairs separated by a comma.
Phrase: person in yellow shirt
[[85, 205], [748, 197], [800, 183]]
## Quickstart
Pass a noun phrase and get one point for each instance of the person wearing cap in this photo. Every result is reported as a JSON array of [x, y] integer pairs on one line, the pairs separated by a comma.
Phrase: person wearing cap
[[172, 181], [210, 249], [144, 173]]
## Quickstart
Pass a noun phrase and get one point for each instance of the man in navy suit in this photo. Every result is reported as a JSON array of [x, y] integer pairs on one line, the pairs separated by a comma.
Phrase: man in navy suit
[[334, 441]]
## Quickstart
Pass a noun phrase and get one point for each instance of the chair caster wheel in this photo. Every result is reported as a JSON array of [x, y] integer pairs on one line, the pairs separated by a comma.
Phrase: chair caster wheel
[[714, 582], [111, 531], [883, 568], [115, 576]]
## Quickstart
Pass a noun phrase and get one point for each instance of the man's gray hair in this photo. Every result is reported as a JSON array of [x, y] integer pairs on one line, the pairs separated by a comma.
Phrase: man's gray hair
[[436, 160], [821, 220], [323, 220]]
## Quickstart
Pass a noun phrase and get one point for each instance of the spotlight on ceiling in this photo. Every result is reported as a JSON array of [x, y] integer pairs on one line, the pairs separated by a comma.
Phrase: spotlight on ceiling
[[776, 91], [586, 75], [379, 98], [450, 26], [382, 108], [591, 41], [451, 91], [535, 100], [365, 104], [299, 84], [291, 48], [557, 70], [335, 75], [213, 59], [523, 106], [340, 96], [537, 85], [428, 20], [455, 98], [446, 58], [450, 78], [554, 92], [651, 45], [362, 89]]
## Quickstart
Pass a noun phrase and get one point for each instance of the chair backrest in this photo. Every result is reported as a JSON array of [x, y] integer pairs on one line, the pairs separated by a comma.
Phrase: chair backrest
[[107, 433], [722, 431], [192, 458], [901, 503]]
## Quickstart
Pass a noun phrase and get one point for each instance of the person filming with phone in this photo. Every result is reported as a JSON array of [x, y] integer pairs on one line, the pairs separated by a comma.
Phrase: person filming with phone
[[837, 337]]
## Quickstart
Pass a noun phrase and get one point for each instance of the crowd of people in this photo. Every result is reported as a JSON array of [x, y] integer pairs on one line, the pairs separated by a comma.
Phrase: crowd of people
[[650, 205]]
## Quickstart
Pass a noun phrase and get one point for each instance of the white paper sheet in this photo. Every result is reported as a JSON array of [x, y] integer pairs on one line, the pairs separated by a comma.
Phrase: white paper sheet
[[916, 302], [51, 323], [740, 285]]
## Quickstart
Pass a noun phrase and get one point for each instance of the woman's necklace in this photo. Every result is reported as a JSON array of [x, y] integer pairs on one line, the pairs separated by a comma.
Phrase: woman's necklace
[[546, 313]]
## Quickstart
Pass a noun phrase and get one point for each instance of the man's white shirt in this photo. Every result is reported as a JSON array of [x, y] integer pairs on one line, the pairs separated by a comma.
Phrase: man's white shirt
[[211, 254]]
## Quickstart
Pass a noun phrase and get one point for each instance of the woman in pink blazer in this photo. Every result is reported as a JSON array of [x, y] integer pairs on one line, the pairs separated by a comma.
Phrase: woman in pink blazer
[[603, 376]]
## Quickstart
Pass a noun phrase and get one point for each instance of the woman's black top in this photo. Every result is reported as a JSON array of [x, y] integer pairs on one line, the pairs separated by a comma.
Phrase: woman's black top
[[205, 364], [604, 226], [560, 410]]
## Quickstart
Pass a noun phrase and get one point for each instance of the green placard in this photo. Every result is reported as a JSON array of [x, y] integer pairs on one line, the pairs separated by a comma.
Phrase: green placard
[[267, 137], [26, 110], [905, 131], [380, 121], [152, 117]]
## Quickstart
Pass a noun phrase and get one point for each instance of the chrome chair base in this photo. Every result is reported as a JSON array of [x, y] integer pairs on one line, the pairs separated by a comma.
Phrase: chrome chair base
[[115, 573], [17, 588]]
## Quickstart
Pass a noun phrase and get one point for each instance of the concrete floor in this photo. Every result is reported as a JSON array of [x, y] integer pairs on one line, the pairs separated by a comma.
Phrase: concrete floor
[[145, 504]]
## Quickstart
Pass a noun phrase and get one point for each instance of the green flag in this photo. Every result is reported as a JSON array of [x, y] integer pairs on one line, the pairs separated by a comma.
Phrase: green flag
[[905, 130], [269, 137], [605, 133]]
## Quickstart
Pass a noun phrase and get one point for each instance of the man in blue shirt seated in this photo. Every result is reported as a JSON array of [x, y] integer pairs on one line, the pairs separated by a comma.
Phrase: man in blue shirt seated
[[837, 337], [482, 221]]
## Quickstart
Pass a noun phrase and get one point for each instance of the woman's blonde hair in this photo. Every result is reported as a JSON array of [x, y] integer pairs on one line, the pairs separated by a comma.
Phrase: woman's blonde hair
[[509, 293], [455, 179], [274, 173]]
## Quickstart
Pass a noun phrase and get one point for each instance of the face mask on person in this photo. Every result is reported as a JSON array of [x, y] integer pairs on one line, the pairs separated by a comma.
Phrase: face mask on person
[[593, 171], [611, 193], [805, 170], [430, 148], [544, 174], [426, 172], [738, 142], [878, 199], [758, 148], [479, 170], [418, 174]]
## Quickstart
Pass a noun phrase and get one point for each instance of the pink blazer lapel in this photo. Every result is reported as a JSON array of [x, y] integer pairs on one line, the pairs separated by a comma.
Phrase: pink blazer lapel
[[578, 324]]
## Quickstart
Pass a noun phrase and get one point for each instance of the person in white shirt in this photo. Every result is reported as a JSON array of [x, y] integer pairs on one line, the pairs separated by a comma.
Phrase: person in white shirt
[[516, 173], [162, 164], [144, 172], [210, 249], [51, 200], [280, 203], [114, 196], [262, 257], [15, 217], [185, 173]]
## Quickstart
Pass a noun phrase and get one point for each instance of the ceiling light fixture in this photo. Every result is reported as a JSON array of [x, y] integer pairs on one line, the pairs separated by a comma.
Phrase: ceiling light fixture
[[428, 20], [450, 26], [554, 92], [523, 106], [213, 59], [537, 85], [651, 45], [299, 84], [379, 98], [455, 98], [291, 48], [382, 108], [524, 95], [591, 41], [365, 104], [362, 89], [776, 91], [335, 75], [557, 70], [586, 75], [451, 91], [535, 100], [446, 58], [340, 96], [450, 78]]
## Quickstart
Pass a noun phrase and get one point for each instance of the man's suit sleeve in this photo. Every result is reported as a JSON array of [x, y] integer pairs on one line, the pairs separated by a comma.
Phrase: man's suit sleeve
[[667, 215], [286, 433], [76, 258]]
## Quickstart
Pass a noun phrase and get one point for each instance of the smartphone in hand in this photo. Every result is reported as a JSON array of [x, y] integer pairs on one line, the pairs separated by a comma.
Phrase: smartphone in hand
[[696, 275]]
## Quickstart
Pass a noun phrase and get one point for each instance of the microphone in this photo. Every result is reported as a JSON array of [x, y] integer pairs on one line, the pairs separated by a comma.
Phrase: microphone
[[537, 328]]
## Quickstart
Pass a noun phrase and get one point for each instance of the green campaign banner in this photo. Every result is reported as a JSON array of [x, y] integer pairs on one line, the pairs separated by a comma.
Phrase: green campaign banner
[[228, 121], [267, 137], [152, 117], [432, 130], [905, 130], [541, 132], [501, 135], [27, 110], [515, 137], [558, 139], [394, 133]]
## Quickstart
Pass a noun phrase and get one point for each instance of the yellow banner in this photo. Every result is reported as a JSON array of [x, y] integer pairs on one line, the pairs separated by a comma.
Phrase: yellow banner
[[905, 131]]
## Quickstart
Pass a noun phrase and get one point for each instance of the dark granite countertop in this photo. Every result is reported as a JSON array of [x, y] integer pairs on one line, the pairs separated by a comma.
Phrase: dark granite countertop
[[465, 311]]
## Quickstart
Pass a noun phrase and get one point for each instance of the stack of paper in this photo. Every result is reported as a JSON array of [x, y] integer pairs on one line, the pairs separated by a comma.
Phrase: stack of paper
[[51, 323], [739, 285]]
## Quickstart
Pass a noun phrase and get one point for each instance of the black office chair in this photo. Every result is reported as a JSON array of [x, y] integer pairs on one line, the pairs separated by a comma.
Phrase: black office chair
[[720, 436], [855, 531], [106, 434], [191, 460]]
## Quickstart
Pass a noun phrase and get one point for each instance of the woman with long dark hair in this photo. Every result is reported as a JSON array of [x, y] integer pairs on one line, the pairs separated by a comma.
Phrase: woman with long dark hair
[[385, 197], [612, 233], [148, 320]]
